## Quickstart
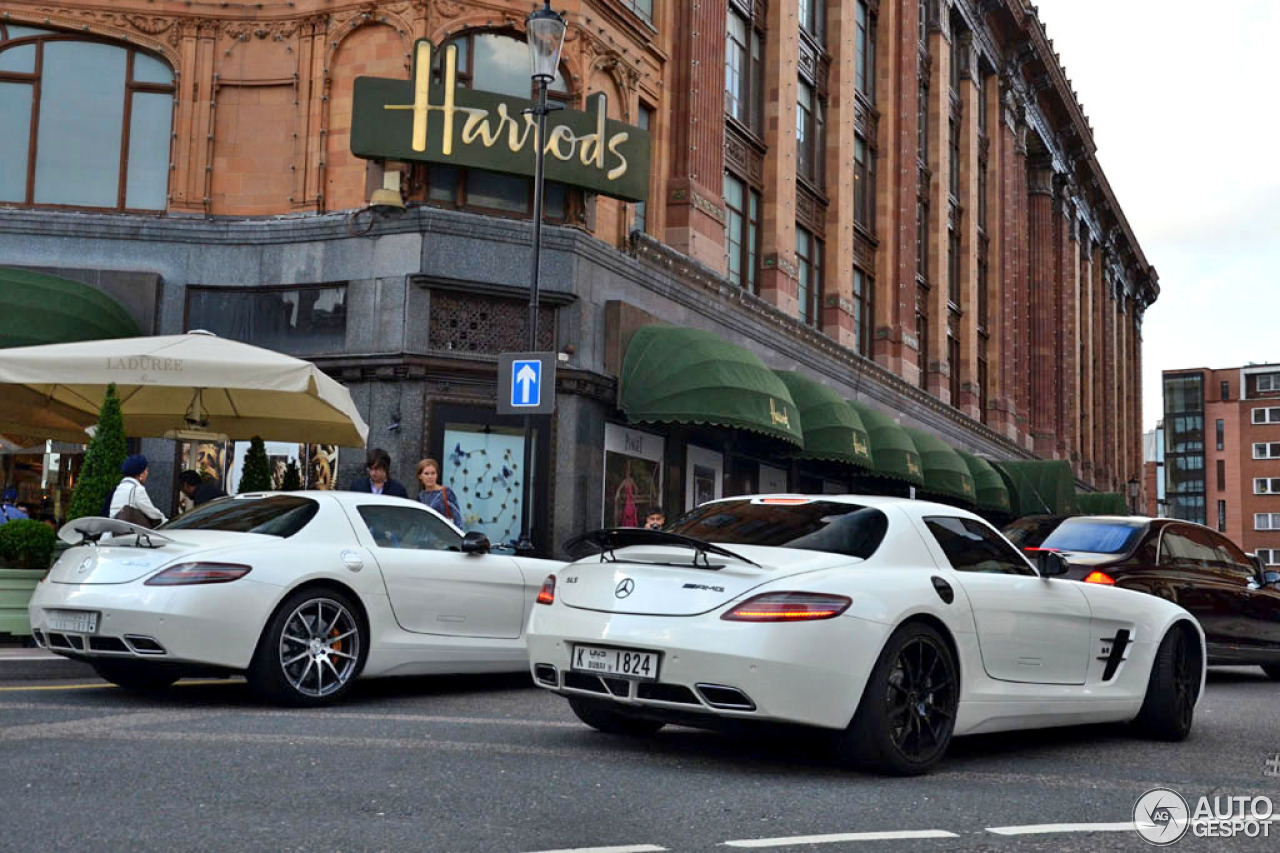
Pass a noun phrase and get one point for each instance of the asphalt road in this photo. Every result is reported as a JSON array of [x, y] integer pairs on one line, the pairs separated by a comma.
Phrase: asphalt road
[[492, 765]]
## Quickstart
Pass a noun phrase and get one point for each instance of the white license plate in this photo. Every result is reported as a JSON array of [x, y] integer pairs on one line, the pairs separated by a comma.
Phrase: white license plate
[[76, 621], [622, 663]]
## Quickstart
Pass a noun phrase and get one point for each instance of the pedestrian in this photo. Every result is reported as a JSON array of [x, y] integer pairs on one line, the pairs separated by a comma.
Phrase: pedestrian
[[435, 494], [379, 482], [656, 520], [198, 489], [130, 501], [9, 509]]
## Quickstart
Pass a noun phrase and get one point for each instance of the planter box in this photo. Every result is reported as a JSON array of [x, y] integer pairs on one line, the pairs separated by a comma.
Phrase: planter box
[[16, 586]]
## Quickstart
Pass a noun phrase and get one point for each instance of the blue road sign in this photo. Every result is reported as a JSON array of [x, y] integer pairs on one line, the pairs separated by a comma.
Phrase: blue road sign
[[526, 383]]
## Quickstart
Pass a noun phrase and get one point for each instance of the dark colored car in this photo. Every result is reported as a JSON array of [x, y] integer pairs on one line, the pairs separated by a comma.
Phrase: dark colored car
[[1235, 597], [1030, 530]]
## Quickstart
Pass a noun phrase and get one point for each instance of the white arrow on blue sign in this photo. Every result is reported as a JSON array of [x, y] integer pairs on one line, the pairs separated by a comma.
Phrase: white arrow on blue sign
[[526, 384]]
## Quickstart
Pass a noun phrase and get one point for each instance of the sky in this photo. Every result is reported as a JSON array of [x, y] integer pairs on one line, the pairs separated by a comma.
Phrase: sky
[[1182, 100]]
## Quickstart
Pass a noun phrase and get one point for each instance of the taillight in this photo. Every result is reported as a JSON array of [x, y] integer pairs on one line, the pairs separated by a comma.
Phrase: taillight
[[185, 574], [789, 607], [1031, 550], [547, 595], [1100, 577]]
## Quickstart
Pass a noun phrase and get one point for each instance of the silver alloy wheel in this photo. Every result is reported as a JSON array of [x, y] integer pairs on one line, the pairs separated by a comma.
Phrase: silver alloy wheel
[[319, 647]]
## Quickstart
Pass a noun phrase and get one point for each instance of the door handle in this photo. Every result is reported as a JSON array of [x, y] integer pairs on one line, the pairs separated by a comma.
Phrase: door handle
[[352, 560]]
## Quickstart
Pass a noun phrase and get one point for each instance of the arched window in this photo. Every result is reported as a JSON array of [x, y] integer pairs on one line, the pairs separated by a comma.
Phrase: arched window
[[86, 122], [494, 62]]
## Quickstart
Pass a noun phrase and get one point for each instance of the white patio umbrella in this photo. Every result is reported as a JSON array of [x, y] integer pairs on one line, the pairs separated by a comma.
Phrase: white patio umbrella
[[172, 383]]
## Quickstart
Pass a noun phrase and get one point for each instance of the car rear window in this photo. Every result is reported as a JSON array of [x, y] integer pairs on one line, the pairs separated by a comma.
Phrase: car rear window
[[814, 525], [1098, 537], [1030, 532], [276, 515]]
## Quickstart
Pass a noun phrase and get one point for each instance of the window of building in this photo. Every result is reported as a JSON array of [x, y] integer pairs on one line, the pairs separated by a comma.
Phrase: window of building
[[813, 15], [1266, 416], [953, 361], [742, 231], [864, 73], [743, 72], [644, 119], [863, 310], [1267, 382], [982, 377], [1266, 521], [1222, 475], [301, 320], [922, 121], [922, 239], [809, 262], [643, 8], [980, 80], [1226, 391], [86, 122], [953, 160], [1185, 446], [1221, 433], [922, 333], [1269, 556], [1266, 450], [954, 260], [983, 287], [810, 133], [1222, 515], [864, 184], [924, 23], [1266, 485]]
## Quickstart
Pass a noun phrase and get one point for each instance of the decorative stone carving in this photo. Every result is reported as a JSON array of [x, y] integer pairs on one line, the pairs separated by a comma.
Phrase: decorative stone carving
[[138, 29], [275, 30], [449, 8], [743, 156]]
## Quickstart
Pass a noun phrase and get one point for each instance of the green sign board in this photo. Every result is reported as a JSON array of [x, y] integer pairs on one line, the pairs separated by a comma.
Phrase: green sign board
[[437, 121]]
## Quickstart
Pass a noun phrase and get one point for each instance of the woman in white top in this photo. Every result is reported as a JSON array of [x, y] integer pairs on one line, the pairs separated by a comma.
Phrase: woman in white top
[[132, 490]]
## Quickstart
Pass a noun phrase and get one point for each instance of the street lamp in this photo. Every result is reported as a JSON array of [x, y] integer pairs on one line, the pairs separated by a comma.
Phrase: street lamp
[[1133, 495], [545, 31]]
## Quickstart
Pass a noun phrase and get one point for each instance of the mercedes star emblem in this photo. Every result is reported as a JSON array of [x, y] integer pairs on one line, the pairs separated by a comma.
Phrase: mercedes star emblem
[[625, 588], [84, 565]]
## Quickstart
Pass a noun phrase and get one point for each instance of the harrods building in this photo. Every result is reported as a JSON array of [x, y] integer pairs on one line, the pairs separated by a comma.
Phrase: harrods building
[[890, 202]]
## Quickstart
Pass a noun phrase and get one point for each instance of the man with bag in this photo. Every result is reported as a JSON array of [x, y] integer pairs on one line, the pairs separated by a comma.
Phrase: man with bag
[[130, 501]]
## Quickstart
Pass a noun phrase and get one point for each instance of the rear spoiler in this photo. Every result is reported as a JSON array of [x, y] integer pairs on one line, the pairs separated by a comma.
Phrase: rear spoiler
[[93, 528], [606, 540]]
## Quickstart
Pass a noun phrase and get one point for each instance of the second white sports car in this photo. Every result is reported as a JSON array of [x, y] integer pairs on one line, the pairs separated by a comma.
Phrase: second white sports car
[[302, 592], [894, 623]]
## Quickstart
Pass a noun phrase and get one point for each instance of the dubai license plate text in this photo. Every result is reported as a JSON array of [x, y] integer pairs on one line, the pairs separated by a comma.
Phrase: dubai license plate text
[[623, 663], [77, 621]]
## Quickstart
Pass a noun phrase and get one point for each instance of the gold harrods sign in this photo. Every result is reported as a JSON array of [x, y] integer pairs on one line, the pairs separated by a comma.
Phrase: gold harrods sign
[[437, 121]]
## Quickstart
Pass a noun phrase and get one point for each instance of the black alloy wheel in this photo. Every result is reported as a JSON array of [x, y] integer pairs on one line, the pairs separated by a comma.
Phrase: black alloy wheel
[[904, 722], [1172, 689]]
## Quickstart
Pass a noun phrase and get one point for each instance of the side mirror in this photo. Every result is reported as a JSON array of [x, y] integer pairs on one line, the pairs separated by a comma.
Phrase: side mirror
[[1051, 564], [475, 542]]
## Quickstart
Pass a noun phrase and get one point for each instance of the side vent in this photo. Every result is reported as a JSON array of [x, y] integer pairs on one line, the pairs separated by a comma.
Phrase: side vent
[[1114, 650]]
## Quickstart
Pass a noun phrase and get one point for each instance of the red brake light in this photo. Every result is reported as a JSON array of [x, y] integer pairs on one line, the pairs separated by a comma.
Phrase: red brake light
[[186, 574], [1031, 550], [789, 607], [547, 595], [1100, 577]]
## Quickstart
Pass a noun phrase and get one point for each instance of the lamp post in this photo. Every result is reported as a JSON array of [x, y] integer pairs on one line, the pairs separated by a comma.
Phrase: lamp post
[[1133, 495], [545, 31]]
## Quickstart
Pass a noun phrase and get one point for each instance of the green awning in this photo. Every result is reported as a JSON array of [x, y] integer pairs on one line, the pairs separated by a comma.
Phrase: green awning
[[1039, 487], [945, 473], [40, 309], [1102, 503], [832, 430], [993, 494], [892, 450], [688, 376]]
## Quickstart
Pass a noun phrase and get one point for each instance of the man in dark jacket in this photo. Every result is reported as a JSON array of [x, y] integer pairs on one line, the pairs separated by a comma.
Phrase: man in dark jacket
[[197, 489], [378, 463]]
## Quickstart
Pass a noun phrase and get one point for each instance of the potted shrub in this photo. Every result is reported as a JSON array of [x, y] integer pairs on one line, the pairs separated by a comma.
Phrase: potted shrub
[[26, 550]]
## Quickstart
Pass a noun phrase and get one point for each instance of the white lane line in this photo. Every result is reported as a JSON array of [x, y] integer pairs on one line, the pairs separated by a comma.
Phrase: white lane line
[[843, 836], [628, 848], [1047, 828]]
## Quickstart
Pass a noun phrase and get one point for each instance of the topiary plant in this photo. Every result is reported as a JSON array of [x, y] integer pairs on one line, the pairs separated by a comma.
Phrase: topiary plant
[[27, 544], [256, 476], [100, 473], [292, 481]]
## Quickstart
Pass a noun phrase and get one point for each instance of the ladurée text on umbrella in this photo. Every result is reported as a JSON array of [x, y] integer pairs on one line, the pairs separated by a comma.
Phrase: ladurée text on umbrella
[[143, 362]]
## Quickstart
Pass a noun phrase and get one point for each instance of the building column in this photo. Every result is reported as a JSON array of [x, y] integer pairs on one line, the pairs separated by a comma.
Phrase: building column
[[1107, 309], [1124, 409], [938, 377], [1010, 161], [779, 275], [1088, 385], [193, 126], [970, 395], [695, 207], [837, 303], [1043, 362], [1068, 326]]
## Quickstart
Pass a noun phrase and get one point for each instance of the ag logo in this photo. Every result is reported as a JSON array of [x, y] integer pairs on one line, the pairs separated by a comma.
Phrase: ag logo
[[1161, 816], [625, 588]]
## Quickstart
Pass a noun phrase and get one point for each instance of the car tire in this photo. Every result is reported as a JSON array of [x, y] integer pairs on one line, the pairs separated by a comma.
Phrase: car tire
[[136, 675], [312, 649], [602, 718], [1172, 689], [1272, 670], [907, 713]]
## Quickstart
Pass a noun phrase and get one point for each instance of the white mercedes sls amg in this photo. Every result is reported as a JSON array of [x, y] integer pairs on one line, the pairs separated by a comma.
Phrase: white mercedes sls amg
[[302, 592], [893, 623]]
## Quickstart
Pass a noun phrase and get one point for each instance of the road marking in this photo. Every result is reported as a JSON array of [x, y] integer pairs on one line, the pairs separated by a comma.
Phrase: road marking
[[1046, 828], [198, 682], [896, 835], [627, 848]]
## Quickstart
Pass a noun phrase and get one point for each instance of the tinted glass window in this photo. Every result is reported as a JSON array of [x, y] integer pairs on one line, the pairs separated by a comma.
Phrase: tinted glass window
[[1189, 547], [1099, 537], [406, 527], [971, 546], [838, 528], [298, 320], [278, 515], [1031, 531]]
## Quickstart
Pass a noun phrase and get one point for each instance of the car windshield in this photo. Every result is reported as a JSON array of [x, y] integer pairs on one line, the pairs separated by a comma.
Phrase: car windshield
[[1099, 537], [814, 525], [277, 515]]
